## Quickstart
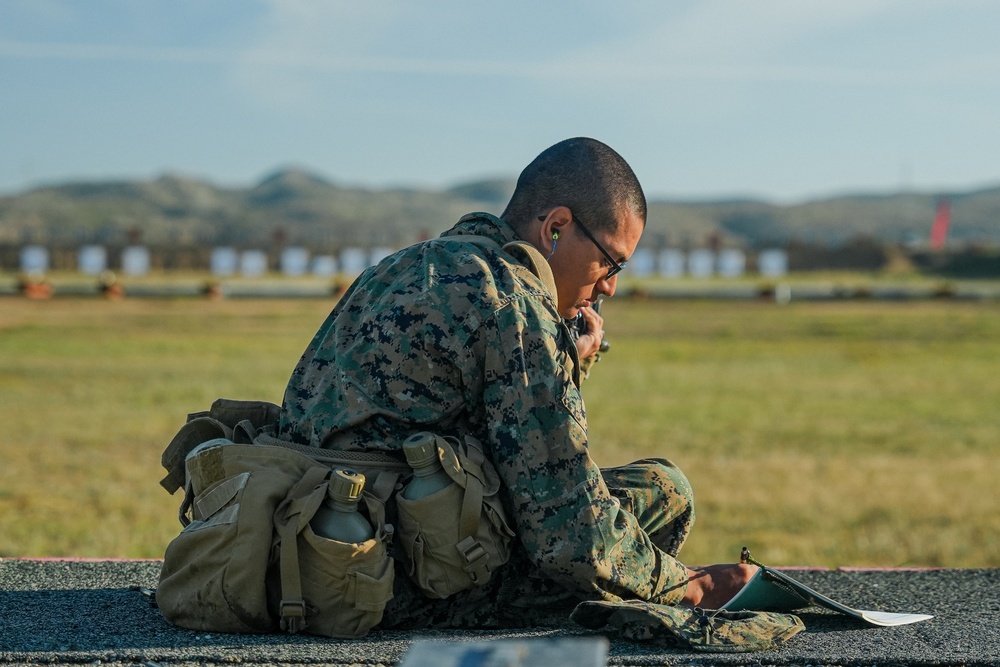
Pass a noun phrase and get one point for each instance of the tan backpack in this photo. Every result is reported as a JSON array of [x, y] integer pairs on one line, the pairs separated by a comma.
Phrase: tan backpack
[[247, 559]]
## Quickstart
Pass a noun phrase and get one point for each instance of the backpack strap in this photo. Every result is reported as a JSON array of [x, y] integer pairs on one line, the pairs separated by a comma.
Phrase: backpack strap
[[467, 466], [290, 518], [476, 560], [376, 496], [200, 428], [220, 421], [530, 257], [525, 254]]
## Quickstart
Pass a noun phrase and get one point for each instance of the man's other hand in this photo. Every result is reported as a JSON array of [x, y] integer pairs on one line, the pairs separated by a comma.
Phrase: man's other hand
[[589, 343], [713, 586]]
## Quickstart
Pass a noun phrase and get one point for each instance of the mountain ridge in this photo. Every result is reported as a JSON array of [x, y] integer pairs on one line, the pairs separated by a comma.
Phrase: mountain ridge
[[301, 207]]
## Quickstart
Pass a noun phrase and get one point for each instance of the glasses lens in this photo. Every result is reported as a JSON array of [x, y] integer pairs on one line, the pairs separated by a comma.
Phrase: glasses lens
[[616, 267]]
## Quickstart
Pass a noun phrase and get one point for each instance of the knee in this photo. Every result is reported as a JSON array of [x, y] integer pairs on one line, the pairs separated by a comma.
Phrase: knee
[[669, 482], [655, 483]]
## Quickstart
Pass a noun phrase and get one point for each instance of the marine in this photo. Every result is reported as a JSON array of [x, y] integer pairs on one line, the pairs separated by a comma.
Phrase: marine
[[466, 334]]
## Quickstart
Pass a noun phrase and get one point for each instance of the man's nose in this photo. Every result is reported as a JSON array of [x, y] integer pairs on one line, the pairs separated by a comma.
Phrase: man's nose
[[607, 286]]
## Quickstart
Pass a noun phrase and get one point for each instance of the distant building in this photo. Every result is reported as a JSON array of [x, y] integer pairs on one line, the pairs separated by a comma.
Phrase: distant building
[[642, 263], [324, 266], [353, 261]]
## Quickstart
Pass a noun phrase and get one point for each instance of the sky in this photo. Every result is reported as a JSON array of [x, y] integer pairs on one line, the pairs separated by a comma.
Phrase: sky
[[782, 100]]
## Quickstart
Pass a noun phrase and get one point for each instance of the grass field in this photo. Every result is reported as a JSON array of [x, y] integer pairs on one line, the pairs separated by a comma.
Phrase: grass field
[[847, 433]]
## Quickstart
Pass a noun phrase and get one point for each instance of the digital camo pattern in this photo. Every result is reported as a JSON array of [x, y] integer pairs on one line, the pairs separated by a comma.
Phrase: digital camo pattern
[[711, 631], [451, 337]]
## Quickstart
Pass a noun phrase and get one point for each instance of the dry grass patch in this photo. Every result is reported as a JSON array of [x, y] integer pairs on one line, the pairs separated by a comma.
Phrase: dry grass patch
[[824, 434]]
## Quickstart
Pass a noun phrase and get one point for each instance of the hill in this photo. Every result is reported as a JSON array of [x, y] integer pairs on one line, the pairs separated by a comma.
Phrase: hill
[[891, 218], [298, 207]]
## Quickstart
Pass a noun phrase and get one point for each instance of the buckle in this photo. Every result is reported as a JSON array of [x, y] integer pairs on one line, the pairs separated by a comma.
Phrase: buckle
[[477, 561], [293, 616]]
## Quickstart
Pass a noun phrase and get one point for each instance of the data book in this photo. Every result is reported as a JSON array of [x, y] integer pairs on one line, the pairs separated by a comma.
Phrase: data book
[[771, 590]]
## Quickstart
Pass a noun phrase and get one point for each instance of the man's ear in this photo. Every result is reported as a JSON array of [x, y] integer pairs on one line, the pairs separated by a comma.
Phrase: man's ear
[[552, 227]]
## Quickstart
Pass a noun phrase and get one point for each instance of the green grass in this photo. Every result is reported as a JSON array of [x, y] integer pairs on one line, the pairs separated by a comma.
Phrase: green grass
[[849, 433], [838, 433]]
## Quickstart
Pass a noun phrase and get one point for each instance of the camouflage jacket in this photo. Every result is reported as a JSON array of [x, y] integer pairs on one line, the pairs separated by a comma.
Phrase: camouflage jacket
[[453, 337]]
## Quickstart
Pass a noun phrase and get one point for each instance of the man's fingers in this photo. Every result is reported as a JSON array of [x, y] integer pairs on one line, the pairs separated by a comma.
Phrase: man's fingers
[[594, 321]]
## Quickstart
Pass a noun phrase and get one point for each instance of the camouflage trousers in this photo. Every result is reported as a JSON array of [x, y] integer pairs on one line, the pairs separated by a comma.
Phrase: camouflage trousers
[[655, 491]]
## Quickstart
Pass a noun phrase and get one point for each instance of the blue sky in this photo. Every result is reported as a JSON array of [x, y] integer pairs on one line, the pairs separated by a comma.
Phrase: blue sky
[[778, 99]]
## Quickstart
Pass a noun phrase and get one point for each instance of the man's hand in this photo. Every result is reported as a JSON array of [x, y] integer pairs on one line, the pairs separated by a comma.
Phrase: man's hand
[[713, 586], [589, 344]]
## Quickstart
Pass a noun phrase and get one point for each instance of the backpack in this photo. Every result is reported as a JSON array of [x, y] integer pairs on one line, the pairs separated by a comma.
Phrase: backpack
[[247, 559]]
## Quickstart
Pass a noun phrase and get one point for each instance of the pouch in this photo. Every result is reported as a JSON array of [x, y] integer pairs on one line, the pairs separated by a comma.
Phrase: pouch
[[247, 560], [214, 572], [456, 538], [346, 585]]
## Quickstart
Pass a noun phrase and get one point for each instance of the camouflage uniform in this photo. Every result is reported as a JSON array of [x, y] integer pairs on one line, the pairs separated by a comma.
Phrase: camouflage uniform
[[453, 337]]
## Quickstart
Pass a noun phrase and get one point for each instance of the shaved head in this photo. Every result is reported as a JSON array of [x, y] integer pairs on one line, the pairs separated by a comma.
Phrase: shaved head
[[586, 176]]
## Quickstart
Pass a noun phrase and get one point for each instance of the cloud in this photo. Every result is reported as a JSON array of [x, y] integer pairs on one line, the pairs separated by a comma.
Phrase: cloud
[[113, 52], [725, 40], [298, 49], [710, 39], [850, 42], [295, 50]]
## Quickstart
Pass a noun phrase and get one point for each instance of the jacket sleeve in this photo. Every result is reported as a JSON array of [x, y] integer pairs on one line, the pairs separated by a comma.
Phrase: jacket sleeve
[[573, 529]]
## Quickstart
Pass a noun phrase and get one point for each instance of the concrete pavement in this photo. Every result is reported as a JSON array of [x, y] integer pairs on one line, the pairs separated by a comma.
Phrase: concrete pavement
[[98, 612]]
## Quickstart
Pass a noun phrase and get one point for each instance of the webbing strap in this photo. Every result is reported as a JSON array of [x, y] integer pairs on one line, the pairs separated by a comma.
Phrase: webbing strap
[[336, 458], [186, 504], [289, 520], [536, 262], [218, 422], [523, 251], [192, 434], [244, 432], [476, 559], [472, 503], [376, 495]]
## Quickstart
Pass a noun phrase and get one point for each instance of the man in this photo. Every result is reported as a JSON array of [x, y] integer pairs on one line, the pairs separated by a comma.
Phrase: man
[[456, 337]]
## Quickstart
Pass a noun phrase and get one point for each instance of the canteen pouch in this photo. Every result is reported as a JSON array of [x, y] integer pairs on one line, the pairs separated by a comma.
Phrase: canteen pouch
[[456, 538], [344, 586], [347, 585]]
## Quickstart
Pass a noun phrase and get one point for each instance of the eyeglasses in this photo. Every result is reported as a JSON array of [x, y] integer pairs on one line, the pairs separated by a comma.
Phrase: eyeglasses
[[616, 267]]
